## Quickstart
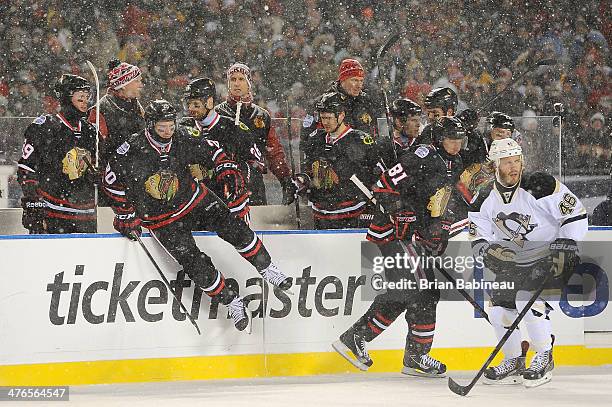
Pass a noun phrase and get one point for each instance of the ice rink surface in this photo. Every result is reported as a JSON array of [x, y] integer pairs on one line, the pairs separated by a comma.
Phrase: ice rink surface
[[571, 386]]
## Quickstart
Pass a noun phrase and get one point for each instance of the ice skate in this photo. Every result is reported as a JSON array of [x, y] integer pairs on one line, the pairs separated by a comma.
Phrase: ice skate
[[277, 278], [352, 347], [241, 315], [423, 366], [509, 371], [540, 369]]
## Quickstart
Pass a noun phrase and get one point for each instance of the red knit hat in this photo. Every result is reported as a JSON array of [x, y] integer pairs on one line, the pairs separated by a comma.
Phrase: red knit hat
[[350, 68], [121, 73]]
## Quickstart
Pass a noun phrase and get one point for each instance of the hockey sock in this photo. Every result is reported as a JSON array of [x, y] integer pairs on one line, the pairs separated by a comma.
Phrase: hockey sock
[[539, 327], [501, 318], [255, 253], [420, 338]]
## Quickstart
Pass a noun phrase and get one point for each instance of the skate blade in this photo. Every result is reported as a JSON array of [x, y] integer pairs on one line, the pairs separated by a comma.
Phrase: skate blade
[[409, 371], [345, 352], [530, 384], [507, 381], [249, 327]]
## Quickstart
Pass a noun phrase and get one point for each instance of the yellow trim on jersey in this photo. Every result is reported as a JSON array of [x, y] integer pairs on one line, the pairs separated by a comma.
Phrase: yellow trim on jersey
[[249, 366]]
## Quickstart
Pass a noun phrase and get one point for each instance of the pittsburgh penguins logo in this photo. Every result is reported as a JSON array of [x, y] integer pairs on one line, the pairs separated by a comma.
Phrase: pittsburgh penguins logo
[[516, 226]]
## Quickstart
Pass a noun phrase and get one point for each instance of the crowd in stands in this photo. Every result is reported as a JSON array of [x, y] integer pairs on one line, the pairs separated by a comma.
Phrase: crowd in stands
[[294, 48]]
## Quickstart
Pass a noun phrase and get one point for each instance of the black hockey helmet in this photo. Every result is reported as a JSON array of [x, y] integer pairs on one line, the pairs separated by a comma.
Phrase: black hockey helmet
[[448, 127], [201, 88], [403, 107], [332, 102], [469, 118], [67, 85], [159, 110], [499, 120], [444, 98]]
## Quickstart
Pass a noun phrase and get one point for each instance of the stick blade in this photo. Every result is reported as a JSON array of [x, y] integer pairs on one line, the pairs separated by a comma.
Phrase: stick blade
[[385, 47], [457, 388]]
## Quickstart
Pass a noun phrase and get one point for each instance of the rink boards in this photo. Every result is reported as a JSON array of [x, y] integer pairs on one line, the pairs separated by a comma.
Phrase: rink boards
[[92, 309]]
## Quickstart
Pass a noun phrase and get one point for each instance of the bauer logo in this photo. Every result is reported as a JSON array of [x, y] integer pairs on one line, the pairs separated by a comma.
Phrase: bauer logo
[[72, 300]]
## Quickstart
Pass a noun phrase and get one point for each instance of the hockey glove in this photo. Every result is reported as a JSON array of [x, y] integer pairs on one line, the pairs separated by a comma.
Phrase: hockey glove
[[128, 225], [498, 258], [434, 239], [565, 259], [402, 222], [301, 182], [231, 180], [33, 217], [289, 191]]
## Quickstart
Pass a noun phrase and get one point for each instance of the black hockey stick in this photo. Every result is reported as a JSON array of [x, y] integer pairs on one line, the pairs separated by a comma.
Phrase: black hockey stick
[[381, 52], [542, 62], [292, 162], [464, 390], [445, 273], [150, 256]]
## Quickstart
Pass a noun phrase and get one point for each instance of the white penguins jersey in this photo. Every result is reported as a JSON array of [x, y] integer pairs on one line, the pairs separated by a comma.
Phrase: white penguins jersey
[[526, 218]]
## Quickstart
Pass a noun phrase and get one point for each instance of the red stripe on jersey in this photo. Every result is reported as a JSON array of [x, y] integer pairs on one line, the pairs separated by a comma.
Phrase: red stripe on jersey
[[63, 202], [346, 215], [254, 251], [64, 215], [374, 328], [383, 228], [169, 220]]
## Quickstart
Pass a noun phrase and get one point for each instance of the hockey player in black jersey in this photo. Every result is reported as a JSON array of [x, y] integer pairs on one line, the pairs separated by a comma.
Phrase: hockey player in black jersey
[[56, 169], [150, 184], [237, 141], [331, 155], [414, 193], [406, 116], [440, 102]]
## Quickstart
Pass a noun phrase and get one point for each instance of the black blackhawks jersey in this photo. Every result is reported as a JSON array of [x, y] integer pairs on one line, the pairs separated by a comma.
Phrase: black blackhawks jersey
[[330, 162], [418, 186], [57, 165], [154, 180], [237, 141]]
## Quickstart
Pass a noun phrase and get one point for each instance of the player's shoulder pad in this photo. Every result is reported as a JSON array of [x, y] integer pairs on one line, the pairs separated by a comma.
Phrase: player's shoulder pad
[[422, 151], [540, 185]]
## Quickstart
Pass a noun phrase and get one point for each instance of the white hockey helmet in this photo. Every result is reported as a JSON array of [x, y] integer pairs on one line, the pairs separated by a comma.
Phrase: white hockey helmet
[[507, 147], [501, 149]]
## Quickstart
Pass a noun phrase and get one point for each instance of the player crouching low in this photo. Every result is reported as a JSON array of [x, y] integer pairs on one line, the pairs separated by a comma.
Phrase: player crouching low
[[525, 227]]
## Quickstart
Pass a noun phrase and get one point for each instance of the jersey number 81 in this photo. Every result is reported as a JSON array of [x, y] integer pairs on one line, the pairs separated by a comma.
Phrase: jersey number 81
[[397, 173]]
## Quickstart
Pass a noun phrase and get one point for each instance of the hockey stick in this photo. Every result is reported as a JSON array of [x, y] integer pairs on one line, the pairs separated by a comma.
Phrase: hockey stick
[[150, 256], [542, 62], [445, 273], [464, 390], [292, 162], [381, 52], [97, 126]]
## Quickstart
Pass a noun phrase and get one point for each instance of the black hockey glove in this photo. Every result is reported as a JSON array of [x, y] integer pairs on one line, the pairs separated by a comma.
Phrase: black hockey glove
[[231, 180], [289, 191], [301, 182], [128, 225], [402, 221], [564, 258], [498, 259], [434, 239], [33, 217]]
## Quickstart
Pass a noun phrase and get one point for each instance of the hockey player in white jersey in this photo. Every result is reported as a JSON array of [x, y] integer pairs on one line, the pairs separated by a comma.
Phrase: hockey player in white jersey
[[524, 227]]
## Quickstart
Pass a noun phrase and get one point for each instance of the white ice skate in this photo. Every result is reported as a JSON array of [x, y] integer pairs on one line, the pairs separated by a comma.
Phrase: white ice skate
[[277, 278], [509, 371], [241, 315], [540, 369]]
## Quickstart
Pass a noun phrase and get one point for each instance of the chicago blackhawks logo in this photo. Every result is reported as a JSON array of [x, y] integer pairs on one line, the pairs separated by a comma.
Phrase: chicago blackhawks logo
[[75, 163], [162, 185], [323, 175], [438, 202], [477, 176], [516, 226], [259, 122], [366, 118]]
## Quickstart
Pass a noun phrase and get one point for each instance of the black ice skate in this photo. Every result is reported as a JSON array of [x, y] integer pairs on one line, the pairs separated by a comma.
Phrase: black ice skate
[[277, 278], [352, 347], [509, 371], [240, 314], [540, 369], [423, 366]]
